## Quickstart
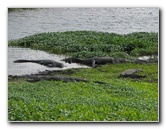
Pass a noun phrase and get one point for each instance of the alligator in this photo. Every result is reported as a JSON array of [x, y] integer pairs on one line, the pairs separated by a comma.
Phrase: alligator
[[131, 73], [95, 61], [36, 78], [48, 63], [148, 61]]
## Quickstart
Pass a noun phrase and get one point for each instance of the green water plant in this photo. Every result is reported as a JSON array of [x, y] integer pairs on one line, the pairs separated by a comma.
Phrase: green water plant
[[84, 44]]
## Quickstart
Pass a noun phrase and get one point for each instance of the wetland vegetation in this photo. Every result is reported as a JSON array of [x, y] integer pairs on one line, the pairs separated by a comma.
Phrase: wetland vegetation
[[120, 99], [84, 44]]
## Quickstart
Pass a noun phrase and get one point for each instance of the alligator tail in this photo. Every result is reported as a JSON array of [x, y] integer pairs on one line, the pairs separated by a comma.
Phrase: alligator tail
[[22, 61]]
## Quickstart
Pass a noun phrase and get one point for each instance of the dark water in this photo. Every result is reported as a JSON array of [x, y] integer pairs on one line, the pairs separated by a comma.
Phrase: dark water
[[23, 23], [117, 20]]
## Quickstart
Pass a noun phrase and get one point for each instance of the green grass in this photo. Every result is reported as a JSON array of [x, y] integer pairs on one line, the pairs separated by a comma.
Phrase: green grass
[[84, 44], [118, 100]]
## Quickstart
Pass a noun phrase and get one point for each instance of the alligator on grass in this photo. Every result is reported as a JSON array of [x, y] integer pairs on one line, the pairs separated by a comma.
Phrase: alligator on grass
[[148, 61], [132, 73], [48, 63], [96, 61], [93, 62], [36, 78]]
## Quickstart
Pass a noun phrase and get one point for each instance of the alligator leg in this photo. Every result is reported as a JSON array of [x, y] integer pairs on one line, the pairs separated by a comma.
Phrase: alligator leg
[[70, 61], [93, 63]]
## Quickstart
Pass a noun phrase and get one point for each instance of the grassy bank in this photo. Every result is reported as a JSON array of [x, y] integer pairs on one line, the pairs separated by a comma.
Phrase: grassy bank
[[121, 99], [85, 44]]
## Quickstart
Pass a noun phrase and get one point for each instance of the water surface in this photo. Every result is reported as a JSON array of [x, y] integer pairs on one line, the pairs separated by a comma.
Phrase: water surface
[[117, 20], [32, 68]]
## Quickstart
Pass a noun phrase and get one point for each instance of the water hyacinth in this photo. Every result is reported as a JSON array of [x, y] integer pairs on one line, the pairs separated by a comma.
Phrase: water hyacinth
[[76, 43]]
